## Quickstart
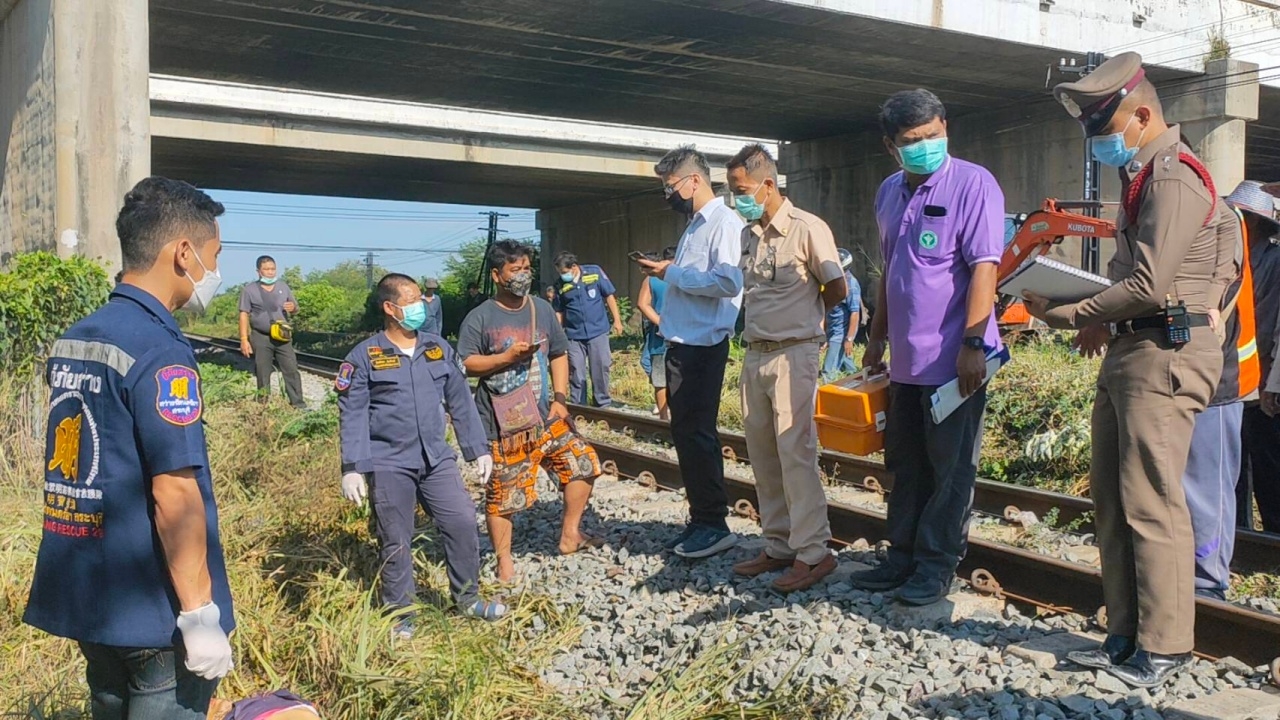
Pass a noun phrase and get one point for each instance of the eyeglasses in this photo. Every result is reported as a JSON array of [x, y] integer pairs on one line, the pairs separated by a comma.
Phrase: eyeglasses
[[669, 190]]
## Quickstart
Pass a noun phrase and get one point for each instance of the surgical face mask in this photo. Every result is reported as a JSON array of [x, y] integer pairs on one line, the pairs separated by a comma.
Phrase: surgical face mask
[[682, 205], [520, 283], [748, 207], [267, 280], [923, 157], [415, 314], [566, 276], [1112, 151], [202, 292]]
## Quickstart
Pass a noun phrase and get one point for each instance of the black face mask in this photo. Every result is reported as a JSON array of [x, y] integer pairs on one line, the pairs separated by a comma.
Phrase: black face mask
[[682, 205]]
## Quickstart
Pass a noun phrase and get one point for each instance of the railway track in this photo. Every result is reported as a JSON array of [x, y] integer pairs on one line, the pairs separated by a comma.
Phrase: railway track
[[1254, 551], [1223, 629]]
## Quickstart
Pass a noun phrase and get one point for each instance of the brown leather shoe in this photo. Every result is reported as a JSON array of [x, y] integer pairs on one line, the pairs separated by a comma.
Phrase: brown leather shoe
[[760, 565], [802, 576]]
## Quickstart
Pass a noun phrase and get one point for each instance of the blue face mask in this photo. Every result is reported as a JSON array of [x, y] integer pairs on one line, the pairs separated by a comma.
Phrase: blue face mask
[[566, 276], [747, 206], [267, 281], [1112, 151], [923, 157], [415, 314]]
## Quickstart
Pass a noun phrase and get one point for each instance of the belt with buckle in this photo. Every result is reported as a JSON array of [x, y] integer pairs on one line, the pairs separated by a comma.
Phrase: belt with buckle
[[776, 345], [1154, 322]]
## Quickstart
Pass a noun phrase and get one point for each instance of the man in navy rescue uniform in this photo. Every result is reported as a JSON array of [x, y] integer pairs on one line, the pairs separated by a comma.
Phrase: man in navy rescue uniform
[[130, 565], [581, 299], [393, 392]]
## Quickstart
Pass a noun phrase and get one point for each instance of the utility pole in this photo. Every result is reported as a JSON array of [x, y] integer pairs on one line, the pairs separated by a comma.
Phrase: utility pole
[[1090, 253], [368, 269], [486, 278]]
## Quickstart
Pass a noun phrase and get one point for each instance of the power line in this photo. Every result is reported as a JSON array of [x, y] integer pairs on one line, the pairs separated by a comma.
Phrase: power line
[[1173, 33], [338, 248], [454, 214]]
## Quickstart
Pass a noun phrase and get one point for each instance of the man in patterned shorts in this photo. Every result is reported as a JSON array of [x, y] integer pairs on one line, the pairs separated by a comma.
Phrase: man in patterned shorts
[[513, 343]]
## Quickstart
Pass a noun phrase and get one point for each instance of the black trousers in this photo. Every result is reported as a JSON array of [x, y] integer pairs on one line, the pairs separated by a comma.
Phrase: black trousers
[[695, 377], [1259, 470], [935, 467], [269, 354]]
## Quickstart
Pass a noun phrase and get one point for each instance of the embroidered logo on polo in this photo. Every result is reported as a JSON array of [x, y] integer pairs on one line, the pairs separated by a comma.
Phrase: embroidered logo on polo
[[343, 380], [178, 395], [928, 240]]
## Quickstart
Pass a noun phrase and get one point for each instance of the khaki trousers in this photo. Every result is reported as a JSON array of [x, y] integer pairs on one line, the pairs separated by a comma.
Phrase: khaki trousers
[[779, 390], [1148, 396]]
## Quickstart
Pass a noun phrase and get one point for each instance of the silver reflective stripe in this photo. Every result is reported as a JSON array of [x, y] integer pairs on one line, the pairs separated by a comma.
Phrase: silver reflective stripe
[[92, 351]]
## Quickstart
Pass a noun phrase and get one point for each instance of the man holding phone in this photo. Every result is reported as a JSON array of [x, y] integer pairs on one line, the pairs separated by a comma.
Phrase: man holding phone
[[704, 292]]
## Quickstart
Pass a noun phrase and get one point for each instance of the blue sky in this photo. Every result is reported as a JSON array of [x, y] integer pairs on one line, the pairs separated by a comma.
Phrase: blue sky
[[395, 230]]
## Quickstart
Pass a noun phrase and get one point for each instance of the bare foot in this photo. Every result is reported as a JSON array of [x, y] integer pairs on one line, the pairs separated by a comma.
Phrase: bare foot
[[569, 546], [506, 571]]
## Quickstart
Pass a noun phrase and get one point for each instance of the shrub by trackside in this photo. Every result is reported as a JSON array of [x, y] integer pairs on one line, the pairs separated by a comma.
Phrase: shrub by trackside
[[41, 295]]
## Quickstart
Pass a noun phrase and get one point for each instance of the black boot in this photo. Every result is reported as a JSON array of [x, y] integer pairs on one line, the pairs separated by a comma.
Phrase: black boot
[[1114, 650], [1148, 670]]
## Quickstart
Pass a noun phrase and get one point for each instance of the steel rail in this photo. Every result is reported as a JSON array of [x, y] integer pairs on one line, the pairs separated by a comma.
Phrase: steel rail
[[1254, 551], [1223, 629]]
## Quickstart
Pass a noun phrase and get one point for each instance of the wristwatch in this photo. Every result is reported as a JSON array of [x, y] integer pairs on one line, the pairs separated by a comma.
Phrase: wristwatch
[[974, 343]]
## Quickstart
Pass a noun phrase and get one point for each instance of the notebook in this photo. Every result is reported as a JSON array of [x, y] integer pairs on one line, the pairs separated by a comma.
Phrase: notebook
[[947, 397], [1054, 280]]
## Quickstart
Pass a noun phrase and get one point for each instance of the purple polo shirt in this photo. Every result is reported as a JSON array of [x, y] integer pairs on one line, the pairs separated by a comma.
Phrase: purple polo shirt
[[930, 241]]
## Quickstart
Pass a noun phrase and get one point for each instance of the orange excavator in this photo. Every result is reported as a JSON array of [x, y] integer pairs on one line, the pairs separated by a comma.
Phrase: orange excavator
[[1036, 233]]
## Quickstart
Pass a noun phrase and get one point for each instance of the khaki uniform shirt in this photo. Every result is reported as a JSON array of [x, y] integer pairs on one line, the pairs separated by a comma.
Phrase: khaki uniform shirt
[[784, 267], [1168, 249]]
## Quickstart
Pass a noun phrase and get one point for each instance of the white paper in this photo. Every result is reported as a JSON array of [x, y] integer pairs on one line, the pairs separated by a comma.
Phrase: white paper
[[1053, 280], [947, 397]]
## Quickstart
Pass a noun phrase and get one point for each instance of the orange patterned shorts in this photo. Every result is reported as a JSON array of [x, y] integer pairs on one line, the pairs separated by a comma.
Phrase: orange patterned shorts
[[558, 450]]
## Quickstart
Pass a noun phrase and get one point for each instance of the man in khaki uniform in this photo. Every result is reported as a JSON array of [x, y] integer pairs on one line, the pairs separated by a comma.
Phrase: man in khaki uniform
[[1153, 382], [791, 279]]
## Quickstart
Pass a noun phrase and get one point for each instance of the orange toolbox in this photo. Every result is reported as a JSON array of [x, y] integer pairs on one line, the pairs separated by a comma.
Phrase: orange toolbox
[[851, 413]]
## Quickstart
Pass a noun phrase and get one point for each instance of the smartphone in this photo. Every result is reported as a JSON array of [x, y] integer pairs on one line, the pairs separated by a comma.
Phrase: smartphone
[[637, 256]]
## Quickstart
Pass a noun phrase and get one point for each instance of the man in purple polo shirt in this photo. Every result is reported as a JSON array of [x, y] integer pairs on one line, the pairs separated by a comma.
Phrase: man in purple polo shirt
[[941, 235]]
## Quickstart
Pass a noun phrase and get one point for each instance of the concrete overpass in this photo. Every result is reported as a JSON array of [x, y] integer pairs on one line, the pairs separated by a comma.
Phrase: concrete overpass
[[74, 95]]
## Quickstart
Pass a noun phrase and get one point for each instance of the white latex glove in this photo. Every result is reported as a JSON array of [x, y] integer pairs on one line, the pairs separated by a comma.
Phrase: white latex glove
[[484, 464], [207, 646], [354, 488]]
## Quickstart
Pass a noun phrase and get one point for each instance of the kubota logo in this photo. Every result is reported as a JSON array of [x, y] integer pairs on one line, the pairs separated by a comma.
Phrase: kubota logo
[[1082, 229]]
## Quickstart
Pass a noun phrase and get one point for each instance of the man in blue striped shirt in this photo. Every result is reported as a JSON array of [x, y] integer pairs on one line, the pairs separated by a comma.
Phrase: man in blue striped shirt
[[704, 293]]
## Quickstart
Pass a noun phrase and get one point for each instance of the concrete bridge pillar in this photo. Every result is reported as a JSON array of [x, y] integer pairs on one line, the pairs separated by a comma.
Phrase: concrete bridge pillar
[[74, 122], [1213, 112]]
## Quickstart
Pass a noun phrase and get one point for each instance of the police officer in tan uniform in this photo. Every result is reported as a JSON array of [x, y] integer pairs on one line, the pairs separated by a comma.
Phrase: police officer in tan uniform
[[791, 279], [1162, 363]]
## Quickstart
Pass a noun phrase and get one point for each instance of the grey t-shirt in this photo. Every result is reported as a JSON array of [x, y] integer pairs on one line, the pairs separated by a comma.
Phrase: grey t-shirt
[[491, 329], [265, 305], [435, 316]]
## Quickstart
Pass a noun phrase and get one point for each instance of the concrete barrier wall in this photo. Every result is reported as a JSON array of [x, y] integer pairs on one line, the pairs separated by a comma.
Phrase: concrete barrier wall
[[27, 152]]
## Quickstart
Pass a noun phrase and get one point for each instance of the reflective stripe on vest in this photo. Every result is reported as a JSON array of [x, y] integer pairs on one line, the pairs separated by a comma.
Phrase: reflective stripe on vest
[[1247, 343]]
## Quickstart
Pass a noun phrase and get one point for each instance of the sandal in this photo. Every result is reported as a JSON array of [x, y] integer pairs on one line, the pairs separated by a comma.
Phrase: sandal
[[587, 543]]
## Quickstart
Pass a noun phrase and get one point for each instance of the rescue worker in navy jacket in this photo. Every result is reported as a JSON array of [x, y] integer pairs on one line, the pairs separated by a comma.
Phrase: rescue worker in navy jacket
[[130, 565], [393, 392]]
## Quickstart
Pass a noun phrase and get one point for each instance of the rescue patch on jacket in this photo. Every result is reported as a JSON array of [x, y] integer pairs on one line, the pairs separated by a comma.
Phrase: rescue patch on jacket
[[386, 362], [178, 394], [434, 351], [374, 351], [343, 380]]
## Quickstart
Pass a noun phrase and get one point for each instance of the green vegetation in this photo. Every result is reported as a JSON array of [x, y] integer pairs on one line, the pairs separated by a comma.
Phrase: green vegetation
[[1037, 424], [40, 297]]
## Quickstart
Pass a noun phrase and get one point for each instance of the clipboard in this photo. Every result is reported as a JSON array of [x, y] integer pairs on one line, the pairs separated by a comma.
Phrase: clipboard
[[947, 398]]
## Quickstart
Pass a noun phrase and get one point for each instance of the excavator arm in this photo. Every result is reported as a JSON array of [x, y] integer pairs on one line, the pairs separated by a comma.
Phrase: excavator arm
[[1039, 232]]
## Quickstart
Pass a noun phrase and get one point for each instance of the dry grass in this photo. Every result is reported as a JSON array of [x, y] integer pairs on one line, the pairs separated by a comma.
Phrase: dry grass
[[302, 566]]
